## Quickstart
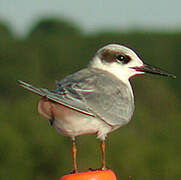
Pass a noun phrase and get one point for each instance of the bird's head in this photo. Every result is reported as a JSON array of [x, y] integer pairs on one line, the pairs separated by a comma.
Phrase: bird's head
[[123, 62]]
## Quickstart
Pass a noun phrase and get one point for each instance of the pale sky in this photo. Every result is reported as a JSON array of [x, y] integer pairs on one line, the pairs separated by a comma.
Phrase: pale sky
[[92, 15]]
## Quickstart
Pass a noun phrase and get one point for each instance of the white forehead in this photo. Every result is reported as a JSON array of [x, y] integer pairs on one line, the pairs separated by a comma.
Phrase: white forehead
[[118, 48]]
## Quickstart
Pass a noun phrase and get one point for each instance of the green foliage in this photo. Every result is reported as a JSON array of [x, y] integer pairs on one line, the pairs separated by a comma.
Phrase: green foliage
[[147, 148]]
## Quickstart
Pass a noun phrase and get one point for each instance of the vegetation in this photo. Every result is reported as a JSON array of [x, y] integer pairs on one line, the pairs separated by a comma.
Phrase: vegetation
[[147, 148]]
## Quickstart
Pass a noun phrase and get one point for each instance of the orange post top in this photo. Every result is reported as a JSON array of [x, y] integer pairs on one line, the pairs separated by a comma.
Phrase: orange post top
[[91, 175]]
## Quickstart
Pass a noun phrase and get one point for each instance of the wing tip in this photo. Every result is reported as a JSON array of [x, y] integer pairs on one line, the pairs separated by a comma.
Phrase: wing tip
[[22, 83], [19, 83]]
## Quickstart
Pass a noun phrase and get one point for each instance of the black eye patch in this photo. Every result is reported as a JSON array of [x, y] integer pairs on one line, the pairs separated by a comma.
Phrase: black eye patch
[[123, 58]]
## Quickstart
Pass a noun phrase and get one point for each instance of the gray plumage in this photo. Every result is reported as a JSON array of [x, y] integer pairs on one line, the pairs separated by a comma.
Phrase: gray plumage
[[101, 93]]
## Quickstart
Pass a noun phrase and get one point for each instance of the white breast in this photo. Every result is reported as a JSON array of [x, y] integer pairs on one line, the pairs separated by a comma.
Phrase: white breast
[[73, 123]]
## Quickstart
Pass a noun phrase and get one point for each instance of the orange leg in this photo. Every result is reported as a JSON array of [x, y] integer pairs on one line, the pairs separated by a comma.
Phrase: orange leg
[[103, 150], [74, 155]]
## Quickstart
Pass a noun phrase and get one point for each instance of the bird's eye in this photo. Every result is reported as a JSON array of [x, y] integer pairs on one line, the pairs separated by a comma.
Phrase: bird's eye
[[123, 58]]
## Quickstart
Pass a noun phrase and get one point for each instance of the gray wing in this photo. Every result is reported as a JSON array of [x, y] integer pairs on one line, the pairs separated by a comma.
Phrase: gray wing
[[101, 93]]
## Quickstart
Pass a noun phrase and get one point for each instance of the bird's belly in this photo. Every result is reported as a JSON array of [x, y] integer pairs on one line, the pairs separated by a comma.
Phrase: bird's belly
[[73, 123]]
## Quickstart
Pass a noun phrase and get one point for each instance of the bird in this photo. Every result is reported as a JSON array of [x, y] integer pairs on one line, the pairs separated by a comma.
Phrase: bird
[[95, 100]]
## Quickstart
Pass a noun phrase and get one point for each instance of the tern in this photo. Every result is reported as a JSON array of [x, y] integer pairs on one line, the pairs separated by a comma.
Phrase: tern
[[95, 100]]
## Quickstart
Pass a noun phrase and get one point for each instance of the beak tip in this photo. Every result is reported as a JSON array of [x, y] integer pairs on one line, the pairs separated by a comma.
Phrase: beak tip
[[154, 70]]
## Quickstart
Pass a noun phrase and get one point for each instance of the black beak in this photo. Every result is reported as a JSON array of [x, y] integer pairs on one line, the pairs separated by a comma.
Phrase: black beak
[[153, 70]]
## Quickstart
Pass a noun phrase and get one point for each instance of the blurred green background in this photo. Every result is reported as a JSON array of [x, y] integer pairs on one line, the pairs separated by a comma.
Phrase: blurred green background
[[147, 148]]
